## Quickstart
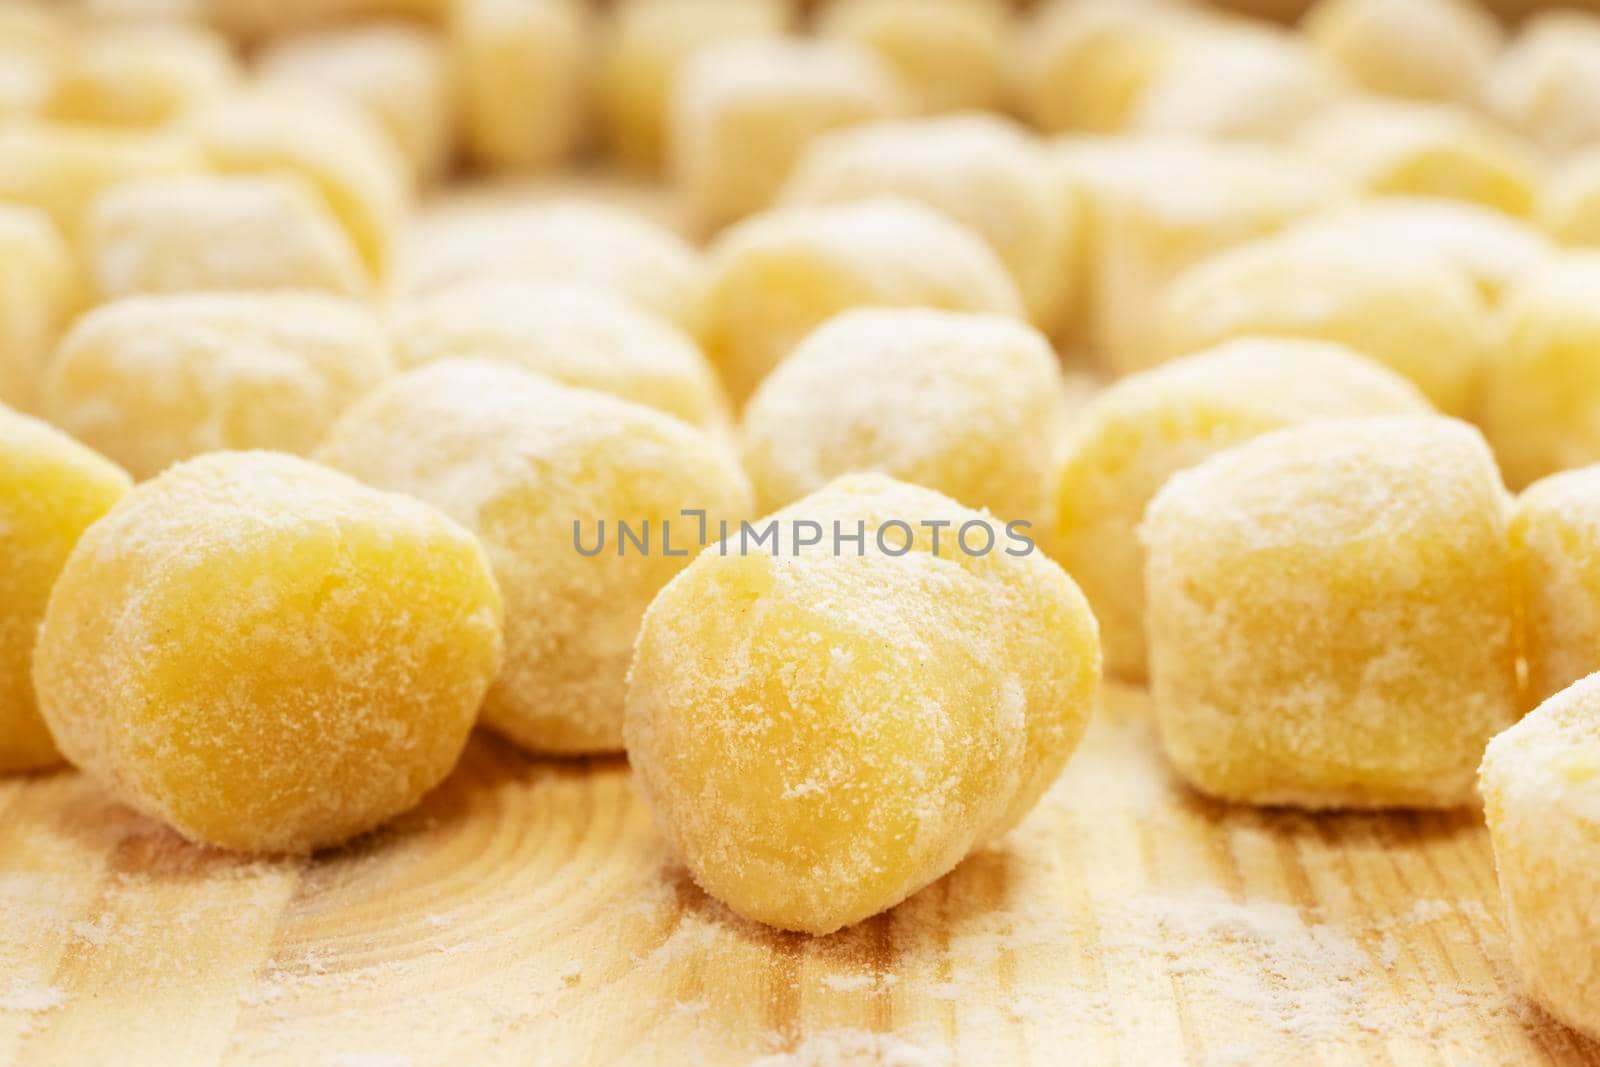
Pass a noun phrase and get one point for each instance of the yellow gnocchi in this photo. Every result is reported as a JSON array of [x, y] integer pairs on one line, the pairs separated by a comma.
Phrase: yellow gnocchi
[[1130, 439], [323, 648], [872, 719], [524, 88], [1541, 791], [150, 380], [743, 112], [546, 475], [1407, 308], [565, 241], [962, 403], [1425, 49], [643, 49], [950, 54], [1330, 615], [162, 235], [777, 276], [51, 490], [1555, 549], [982, 171], [1541, 393], [576, 335], [1141, 228], [1424, 149], [399, 72], [39, 291], [327, 140]]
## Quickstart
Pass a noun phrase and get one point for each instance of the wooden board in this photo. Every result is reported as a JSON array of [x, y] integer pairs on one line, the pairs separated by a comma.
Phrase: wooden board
[[528, 914]]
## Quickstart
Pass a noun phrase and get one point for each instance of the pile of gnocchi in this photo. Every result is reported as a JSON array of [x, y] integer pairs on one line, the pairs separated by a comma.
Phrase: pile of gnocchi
[[980, 351]]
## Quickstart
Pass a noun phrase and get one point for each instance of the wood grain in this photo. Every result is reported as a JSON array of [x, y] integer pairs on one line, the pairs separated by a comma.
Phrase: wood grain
[[527, 913]]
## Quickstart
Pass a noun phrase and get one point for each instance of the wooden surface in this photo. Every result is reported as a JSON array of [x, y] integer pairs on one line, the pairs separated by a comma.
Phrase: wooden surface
[[528, 914]]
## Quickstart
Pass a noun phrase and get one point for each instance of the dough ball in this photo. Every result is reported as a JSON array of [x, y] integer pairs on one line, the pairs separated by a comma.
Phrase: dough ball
[[959, 402], [51, 489], [324, 138], [1546, 84], [872, 718], [743, 112], [1540, 404], [982, 171], [140, 74], [175, 234], [1329, 611], [1130, 438], [61, 169], [152, 380], [1154, 206], [1555, 548], [400, 72], [524, 86], [1427, 49], [950, 53], [1407, 308], [545, 475], [1541, 793], [779, 275], [1494, 249], [1420, 149], [38, 293], [266, 655], [576, 335], [643, 50], [1085, 64], [1570, 208], [567, 241], [1249, 84]]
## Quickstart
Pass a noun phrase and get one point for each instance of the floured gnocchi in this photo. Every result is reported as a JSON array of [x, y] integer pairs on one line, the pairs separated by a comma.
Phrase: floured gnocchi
[[871, 719], [266, 655]]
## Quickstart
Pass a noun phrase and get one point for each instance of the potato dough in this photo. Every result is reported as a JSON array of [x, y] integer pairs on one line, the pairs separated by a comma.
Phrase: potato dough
[[161, 235], [779, 275], [152, 380], [961, 403], [744, 111], [569, 241], [1440, 150], [1541, 792], [1428, 49], [1129, 439], [576, 335], [951, 53], [1555, 548], [1329, 610], [140, 74], [1408, 309], [320, 135], [643, 50], [1141, 227], [1086, 64], [1494, 249], [1570, 209], [61, 169], [1546, 84], [524, 89], [534, 468], [1541, 396], [266, 655], [870, 720], [51, 489], [982, 171], [399, 72], [38, 294]]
